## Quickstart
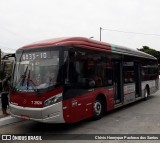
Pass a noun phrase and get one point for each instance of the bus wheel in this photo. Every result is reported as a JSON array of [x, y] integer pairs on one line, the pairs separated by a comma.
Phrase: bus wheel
[[98, 109], [146, 93]]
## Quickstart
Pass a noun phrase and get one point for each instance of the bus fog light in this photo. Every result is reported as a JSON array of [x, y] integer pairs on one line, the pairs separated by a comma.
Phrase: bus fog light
[[55, 99]]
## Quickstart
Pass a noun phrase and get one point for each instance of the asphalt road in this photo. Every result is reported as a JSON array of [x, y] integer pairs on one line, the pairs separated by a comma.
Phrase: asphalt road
[[142, 117]]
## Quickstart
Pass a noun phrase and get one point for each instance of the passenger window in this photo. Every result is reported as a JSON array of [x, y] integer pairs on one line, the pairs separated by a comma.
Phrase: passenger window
[[128, 72], [88, 69]]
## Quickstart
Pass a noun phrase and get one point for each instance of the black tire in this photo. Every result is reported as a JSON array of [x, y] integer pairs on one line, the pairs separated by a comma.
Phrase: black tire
[[146, 93], [98, 109]]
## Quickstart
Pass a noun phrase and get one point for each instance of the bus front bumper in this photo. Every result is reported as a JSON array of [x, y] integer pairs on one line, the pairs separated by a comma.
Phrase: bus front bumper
[[50, 114]]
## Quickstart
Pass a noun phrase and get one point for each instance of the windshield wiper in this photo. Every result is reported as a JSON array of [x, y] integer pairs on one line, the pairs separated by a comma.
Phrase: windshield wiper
[[28, 79], [21, 79], [24, 75]]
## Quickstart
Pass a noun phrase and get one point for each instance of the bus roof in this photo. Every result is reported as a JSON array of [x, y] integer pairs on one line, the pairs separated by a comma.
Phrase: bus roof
[[88, 43]]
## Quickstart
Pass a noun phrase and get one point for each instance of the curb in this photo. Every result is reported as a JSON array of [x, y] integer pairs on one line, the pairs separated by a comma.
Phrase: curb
[[8, 120]]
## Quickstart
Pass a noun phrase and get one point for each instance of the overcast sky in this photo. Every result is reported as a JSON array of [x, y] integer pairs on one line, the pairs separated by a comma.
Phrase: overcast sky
[[25, 21]]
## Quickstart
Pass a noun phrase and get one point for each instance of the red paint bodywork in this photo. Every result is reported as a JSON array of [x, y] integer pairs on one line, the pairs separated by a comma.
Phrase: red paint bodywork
[[73, 41], [82, 111], [25, 99]]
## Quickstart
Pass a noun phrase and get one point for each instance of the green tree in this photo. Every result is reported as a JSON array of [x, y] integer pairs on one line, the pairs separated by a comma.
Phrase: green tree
[[150, 51]]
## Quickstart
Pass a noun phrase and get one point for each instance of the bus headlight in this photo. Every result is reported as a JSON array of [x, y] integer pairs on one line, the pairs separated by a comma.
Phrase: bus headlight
[[55, 99]]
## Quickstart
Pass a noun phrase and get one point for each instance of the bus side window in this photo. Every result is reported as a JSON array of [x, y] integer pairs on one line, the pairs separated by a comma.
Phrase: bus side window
[[109, 77], [70, 71], [87, 69], [128, 72]]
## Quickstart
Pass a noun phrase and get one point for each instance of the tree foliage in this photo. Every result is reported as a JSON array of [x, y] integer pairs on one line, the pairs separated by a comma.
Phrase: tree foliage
[[150, 51]]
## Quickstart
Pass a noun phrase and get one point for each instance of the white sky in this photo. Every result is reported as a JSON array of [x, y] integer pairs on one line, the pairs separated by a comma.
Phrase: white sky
[[25, 21]]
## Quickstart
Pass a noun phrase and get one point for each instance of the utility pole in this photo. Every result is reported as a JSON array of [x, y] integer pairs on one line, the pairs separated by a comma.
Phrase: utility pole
[[100, 32]]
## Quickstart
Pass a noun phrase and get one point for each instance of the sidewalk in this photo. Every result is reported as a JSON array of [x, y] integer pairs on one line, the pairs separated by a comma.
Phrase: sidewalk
[[6, 119], [1, 114]]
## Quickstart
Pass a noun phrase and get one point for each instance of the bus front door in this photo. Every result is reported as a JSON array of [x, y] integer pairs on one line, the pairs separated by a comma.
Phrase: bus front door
[[118, 84]]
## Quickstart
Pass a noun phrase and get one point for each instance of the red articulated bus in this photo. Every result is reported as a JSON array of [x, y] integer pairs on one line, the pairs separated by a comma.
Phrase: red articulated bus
[[66, 80]]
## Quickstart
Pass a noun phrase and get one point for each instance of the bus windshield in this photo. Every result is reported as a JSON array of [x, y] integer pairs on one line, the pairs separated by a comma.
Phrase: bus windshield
[[36, 69]]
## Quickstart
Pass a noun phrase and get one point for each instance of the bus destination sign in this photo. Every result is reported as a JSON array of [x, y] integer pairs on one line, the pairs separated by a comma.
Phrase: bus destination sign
[[36, 55]]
